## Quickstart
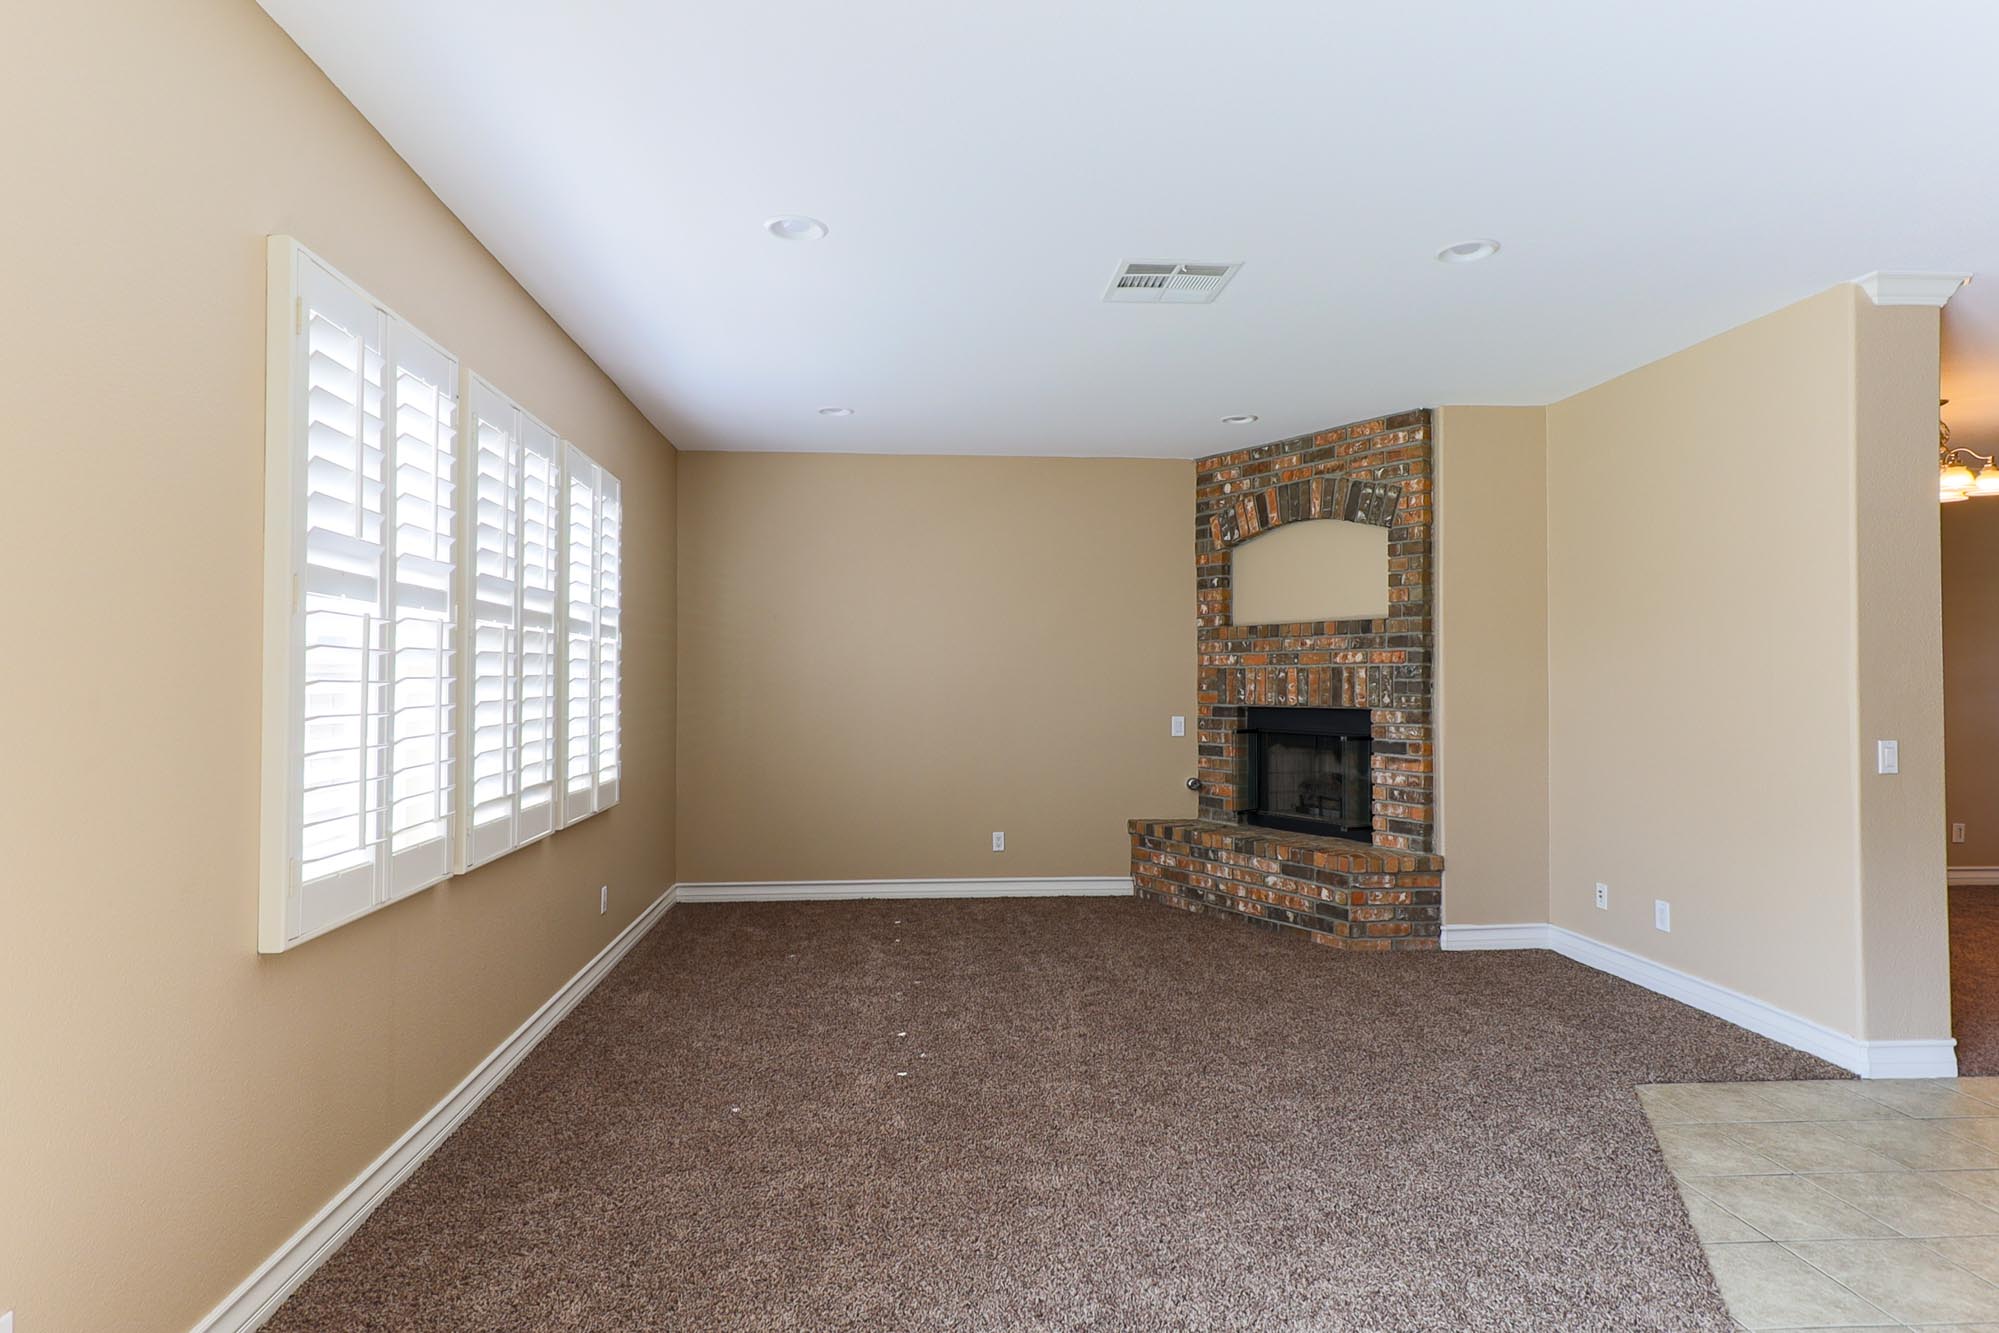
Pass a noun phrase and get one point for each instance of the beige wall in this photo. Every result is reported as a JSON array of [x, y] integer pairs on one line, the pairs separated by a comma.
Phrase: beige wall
[[173, 1105], [1492, 663], [885, 659], [1904, 926], [1716, 667], [1971, 676], [1701, 648]]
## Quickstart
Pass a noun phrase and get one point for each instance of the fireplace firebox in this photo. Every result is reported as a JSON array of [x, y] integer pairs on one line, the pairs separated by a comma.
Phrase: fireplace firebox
[[1309, 770]]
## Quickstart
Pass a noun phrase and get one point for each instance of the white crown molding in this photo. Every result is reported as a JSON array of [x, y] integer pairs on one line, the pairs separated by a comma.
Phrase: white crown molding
[[830, 890], [260, 1294], [1892, 288], [1927, 1058], [1961, 875]]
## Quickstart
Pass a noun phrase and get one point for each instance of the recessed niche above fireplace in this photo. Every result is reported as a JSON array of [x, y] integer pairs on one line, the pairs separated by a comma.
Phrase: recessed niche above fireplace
[[1308, 770], [1322, 569]]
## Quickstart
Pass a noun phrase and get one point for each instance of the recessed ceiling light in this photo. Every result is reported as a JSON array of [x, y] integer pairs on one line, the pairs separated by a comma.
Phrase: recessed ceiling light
[[1242, 420], [836, 411], [795, 227], [1467, 252]]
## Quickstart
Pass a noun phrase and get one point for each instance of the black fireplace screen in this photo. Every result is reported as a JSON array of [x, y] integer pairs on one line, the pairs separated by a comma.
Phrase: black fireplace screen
[[1309, 770]]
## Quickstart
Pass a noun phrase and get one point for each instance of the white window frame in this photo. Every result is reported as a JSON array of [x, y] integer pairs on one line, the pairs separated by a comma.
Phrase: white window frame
[[284, 920]]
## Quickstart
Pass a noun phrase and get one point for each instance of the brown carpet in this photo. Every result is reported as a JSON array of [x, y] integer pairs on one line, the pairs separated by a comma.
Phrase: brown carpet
[[1974, 978], [1115, 1116]]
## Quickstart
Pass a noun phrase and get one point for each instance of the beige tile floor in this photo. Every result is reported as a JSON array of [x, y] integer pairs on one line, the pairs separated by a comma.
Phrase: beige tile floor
[[1842, 1205]]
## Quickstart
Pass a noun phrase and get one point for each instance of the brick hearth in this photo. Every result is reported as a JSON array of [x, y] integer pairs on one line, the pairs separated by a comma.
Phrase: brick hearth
[[1346, 894], [1350, 894]]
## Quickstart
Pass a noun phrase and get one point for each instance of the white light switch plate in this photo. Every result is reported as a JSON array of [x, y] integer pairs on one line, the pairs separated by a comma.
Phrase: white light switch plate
[[1179, 726], [1662, 915], [1887, 756], [1957, 833]]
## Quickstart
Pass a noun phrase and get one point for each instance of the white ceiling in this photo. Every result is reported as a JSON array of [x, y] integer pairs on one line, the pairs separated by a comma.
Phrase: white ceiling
[[1655, 174]]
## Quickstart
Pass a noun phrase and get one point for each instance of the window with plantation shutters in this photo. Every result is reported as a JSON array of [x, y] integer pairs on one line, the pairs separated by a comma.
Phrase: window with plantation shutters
[[443, 614], [361, 532], [592, 637]]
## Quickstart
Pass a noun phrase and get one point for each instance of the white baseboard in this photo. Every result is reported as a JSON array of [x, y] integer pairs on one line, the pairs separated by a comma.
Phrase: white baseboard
[[1932, 1058], [784, 891], [1956, 875], [1523, 935], [260, 1295]]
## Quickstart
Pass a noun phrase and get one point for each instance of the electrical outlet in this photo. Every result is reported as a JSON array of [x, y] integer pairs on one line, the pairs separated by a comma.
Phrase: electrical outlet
[[1603, 896], [1179, 726], [999, 842], [603, 900], [1662, 914], [1957, 833]]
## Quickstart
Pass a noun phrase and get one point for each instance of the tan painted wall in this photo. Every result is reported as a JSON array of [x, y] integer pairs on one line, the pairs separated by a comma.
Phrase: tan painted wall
[[1701, 650], [172, 1105], [1904, 909], [885, 659], [1492, 663], [1710, 651], [1971, 676], [1322, 569]]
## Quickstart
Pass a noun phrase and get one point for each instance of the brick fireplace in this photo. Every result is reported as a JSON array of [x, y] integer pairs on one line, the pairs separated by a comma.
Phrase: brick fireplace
[[1382, 893]]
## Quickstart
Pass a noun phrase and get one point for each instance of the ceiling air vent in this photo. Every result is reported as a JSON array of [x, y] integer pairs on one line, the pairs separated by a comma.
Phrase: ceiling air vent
[[1169, 282]]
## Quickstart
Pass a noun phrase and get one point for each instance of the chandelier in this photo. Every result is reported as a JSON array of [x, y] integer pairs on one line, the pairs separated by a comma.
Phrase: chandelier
[[1955, 479]]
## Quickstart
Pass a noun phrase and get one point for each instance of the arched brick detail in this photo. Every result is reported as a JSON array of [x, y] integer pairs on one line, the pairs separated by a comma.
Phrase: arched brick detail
[[1356, 500]]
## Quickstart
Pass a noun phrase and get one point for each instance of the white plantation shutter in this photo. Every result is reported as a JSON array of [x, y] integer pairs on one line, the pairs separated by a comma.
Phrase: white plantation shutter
[[491, 598], [342, 778], [423, 709], [579, 637], [592, 637], [511, 647], [359, 716], [610, 633], [541, 648]]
